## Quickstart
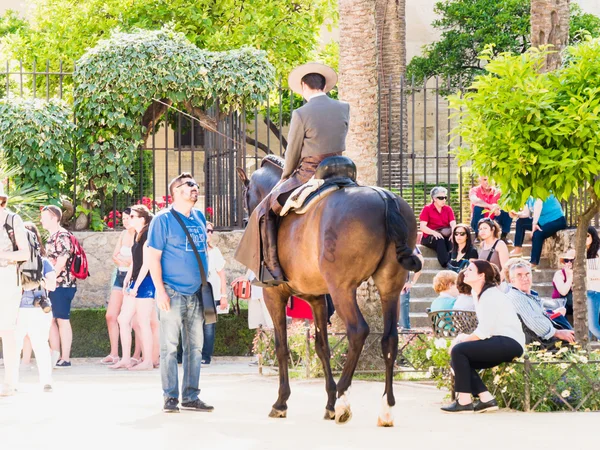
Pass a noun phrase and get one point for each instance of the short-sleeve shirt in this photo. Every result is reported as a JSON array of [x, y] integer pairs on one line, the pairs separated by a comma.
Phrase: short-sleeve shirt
[[28, 296], [436, 219], [59, 244], [180, 269], [6, 244], [216, 263], [490, 196], [443, 303]]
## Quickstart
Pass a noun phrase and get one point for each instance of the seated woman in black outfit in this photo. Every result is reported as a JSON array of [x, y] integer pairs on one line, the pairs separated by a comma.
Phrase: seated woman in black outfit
[[462, 248]]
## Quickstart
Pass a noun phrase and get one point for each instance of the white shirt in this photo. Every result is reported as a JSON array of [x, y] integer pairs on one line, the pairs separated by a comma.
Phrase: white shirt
[[593, 274], [497, 317], [464, 303], [216, 263]]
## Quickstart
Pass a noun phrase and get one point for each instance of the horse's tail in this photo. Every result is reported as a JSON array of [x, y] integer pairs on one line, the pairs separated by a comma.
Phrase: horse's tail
[[397, 232]]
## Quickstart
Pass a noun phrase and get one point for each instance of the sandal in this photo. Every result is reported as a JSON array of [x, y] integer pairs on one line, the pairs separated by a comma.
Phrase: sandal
[[135, 361], [108, 360]]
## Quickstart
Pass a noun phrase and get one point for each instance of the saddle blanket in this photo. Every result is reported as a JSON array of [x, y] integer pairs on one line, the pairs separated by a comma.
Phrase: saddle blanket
[[296, 201]]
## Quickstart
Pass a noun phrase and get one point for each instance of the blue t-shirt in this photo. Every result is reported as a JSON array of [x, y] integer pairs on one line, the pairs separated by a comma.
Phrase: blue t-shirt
[[28, 296], [442, 303], [180, 269], [551, 210]]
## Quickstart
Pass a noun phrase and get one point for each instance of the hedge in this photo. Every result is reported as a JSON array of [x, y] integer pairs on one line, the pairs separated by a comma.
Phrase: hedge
[[90, 337]]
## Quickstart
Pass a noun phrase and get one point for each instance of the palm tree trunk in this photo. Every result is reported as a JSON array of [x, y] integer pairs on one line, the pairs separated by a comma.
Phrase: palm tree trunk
[[550, 26], [358, 83], [390, 17]]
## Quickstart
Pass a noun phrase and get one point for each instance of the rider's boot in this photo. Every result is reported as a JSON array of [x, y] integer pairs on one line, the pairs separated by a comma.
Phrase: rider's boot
[[271, 272]]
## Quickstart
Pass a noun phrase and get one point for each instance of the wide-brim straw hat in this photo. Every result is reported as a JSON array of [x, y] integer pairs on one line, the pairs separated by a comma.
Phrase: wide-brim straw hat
[[296, 75], [569, 254]]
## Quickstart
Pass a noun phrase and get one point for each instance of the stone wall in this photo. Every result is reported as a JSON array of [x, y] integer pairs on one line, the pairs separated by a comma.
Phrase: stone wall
[[99, 246]]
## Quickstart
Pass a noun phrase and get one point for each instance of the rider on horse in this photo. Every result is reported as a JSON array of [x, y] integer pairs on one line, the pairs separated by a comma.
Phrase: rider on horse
[[317, 130]]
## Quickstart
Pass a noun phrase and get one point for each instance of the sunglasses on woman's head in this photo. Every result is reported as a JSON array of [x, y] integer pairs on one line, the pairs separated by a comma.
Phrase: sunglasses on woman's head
[[441, 198], [460, 233]]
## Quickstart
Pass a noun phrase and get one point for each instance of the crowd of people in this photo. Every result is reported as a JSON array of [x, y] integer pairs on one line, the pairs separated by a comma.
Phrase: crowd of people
[[480, 274]]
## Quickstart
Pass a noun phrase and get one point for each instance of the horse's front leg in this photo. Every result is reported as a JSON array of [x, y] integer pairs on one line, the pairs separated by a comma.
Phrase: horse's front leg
[[276, 299]]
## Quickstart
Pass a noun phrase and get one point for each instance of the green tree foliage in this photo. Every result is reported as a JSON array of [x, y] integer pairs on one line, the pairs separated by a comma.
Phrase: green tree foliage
[[534, 133], [116, 82], [37, 136], [468, 26], [64, 30]]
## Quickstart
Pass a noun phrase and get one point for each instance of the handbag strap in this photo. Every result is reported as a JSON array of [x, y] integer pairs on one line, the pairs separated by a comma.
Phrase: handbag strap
[[191, 241], [492, 250]]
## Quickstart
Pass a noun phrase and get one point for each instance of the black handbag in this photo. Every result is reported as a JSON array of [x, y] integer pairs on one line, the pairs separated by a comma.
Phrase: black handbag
[[205, 293]]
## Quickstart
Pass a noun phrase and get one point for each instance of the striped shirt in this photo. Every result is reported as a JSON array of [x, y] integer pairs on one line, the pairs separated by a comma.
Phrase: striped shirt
[[529, 308]]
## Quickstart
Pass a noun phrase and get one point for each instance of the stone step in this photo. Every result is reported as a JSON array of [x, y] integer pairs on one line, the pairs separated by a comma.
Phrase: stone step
[[418, 320], [422, 291], [431, 263], [419, 307], [427, 275]]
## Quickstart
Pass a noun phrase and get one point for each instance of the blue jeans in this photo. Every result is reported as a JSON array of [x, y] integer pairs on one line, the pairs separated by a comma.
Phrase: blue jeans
[[209, 342], [405, 310], [537, 241], [503, 219], [185, 318], [593, 305]]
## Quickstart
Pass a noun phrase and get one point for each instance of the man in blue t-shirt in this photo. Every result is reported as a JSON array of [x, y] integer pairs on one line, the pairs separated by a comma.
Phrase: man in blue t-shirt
[[176, 276]]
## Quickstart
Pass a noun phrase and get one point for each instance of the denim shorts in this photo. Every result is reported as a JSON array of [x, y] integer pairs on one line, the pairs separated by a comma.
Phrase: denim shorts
[[61, 299], [119, 279], [146, 289]]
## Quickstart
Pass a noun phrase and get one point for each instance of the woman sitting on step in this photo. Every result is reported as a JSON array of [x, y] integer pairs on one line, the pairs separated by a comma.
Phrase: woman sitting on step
[[462, 248], [498, 339], [492, 248], [437, 223]]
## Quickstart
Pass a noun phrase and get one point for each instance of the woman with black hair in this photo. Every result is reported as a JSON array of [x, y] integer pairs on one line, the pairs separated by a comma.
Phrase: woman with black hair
[[462, 248], [592, 245], [498, 338]]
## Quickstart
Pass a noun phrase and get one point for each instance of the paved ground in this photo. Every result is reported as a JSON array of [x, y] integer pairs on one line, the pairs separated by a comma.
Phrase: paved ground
[[94, 408]]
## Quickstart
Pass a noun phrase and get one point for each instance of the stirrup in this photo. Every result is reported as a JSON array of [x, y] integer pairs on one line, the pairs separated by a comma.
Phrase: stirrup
[[266, 278]]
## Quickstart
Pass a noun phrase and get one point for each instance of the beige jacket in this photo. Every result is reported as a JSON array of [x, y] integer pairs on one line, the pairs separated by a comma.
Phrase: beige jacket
[[317, 128]]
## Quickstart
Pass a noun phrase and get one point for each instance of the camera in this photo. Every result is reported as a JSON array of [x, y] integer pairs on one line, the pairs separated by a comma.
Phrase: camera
[[41, 301]]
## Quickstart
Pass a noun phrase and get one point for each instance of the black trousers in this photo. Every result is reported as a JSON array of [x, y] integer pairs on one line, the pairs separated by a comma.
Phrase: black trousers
[[442, 248], [469, 357]]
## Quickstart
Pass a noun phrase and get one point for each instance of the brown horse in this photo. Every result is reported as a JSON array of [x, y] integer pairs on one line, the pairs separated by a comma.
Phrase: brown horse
[[340, 242]]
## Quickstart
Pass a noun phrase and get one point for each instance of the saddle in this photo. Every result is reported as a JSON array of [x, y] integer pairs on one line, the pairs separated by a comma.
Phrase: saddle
[[333, 173]]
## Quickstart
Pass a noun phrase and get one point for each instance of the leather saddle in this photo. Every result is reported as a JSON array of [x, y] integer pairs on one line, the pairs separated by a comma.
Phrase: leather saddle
[[333, 173]]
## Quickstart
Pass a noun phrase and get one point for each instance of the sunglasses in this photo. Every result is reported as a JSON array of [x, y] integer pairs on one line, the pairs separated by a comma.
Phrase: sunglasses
[[441, 198], [189, 183], [210, 231], [460, 233], [566, 261]]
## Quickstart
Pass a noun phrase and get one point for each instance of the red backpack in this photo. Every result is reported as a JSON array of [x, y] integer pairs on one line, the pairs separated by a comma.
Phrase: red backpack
[[79, 263]]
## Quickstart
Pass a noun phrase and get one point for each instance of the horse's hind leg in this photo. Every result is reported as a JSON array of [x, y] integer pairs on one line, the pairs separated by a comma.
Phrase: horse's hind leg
[[276, 299], [357, 330], [389, 280], [319, 307]]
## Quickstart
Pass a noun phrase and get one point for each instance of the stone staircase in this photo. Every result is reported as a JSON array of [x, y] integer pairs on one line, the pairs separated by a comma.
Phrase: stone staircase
[[422, 293]]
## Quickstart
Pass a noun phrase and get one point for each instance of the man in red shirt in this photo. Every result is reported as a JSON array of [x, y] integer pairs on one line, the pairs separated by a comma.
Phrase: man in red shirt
[[437, 223], [484, 203]]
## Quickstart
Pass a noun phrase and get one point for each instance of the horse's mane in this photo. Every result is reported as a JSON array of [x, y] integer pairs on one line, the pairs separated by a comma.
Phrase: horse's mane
[[275, 160]]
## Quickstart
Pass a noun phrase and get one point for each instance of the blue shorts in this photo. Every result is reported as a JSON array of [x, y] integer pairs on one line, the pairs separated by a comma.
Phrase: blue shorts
[[119, 279], [61, 299], [146, 289]]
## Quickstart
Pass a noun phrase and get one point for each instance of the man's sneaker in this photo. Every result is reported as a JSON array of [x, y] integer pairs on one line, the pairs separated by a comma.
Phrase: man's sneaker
[[47, 388], [171, 405], [197, 405], [61, 364]]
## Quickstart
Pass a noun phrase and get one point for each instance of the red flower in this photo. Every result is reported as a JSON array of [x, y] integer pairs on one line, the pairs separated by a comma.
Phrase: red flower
[[209, 210], [110, 224]]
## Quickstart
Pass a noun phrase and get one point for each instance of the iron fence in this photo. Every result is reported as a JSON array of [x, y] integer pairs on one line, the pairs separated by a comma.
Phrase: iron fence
[[415, 151]]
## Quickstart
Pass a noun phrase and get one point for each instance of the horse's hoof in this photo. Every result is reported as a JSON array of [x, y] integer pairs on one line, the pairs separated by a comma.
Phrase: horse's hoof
[[329, 415], [343, 415], [384, 423], [278, 414]]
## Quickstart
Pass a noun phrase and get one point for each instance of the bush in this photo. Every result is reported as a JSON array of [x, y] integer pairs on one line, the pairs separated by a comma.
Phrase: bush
[[90, 337]]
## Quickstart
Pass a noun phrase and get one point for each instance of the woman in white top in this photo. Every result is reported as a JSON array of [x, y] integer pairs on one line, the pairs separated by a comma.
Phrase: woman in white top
[[498, 338], [122, 259], [216, 278], [592, 245]]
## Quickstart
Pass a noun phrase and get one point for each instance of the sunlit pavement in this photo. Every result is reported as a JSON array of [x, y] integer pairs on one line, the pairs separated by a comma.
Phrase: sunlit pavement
[[93, 407]]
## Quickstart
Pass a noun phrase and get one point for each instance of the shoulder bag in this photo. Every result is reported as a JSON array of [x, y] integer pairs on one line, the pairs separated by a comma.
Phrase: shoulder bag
[[205, 293]]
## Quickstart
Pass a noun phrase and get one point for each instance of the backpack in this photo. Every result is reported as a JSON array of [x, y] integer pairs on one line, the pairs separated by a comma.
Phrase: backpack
[[78, 260], [31, 271]]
